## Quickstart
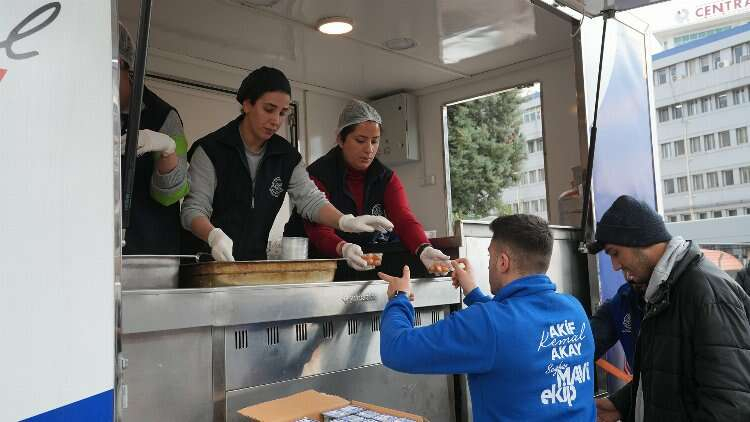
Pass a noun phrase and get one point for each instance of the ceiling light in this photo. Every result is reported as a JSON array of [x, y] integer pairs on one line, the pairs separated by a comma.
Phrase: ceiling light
[[335, 25], [401, 43]]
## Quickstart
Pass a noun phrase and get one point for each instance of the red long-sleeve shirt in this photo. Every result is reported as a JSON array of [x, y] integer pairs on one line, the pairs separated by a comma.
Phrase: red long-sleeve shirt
[[397, 210]]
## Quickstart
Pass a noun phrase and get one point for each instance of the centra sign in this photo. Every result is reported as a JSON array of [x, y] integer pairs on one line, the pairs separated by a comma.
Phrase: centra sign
[[721, 8]]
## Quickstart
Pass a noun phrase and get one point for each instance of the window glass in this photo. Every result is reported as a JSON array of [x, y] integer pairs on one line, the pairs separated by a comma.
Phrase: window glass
[[724, 140], [698, 182], [679, 147], [695, 144], [741, 134], [727, 177], [682, 184], [709, 142]]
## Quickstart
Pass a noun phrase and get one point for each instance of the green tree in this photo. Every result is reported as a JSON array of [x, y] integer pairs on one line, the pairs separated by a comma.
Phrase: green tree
[[486, 151]]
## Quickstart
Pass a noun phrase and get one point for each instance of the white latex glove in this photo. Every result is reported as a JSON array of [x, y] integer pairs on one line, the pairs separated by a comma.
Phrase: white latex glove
[[149, 141], [221, 245], [431, 256], [364, 223], [353, 254]]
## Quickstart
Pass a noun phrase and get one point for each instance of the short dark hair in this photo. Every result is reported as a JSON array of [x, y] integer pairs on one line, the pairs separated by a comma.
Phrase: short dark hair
[[528, 240], [262, 80]]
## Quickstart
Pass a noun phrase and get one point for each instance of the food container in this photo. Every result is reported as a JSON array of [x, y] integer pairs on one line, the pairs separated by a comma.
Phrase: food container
[[293, 248], [252, 273], [152, 271]]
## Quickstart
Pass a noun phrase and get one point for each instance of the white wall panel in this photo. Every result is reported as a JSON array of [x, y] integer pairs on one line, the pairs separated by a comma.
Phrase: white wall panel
[[57, 218]]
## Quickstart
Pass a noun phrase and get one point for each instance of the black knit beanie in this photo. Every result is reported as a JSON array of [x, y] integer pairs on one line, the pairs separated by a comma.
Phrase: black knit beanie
[[629, 222], [262, 80]]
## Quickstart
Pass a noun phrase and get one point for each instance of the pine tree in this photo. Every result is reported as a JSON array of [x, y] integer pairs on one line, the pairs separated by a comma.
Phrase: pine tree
[[486, 151]]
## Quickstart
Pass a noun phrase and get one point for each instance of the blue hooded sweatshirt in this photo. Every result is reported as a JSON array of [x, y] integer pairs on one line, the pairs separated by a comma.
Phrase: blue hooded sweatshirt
[[528, 351]]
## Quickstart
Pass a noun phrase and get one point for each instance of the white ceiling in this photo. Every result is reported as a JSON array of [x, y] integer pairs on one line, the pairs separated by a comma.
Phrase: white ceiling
[[482, 34]]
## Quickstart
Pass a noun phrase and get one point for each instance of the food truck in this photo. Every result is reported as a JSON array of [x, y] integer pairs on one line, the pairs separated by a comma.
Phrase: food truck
[[91, 334]]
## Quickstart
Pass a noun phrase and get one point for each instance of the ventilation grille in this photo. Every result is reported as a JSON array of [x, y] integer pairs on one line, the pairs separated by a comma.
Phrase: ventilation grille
[[240, 339], [352, 326], [327, 329], [301, 331], [417, 319], [375, 323], [437, 316], [272, 333]]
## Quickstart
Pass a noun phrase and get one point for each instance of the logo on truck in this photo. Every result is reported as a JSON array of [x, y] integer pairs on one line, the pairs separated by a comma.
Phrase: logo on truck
[[24, 29]]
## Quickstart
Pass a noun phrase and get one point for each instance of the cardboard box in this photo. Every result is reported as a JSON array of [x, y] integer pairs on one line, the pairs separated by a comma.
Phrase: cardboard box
[[310, 404]]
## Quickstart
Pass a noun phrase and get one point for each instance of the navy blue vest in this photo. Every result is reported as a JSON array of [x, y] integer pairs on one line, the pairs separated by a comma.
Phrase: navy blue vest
[[245, 214], [154, 229], [330, 170]]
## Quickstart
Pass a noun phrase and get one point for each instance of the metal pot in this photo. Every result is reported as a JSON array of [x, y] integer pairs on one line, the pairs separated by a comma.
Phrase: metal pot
[[152, 271]]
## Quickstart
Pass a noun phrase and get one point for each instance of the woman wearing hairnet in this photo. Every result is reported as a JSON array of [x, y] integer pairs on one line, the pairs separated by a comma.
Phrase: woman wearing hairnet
[[240, 173], [358, 183]]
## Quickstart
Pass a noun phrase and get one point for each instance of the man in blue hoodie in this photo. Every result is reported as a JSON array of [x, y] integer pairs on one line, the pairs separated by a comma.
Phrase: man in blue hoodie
[[528, 351]]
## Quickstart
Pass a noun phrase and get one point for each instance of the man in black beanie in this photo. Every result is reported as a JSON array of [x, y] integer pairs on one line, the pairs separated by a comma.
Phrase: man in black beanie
[[692, 357]]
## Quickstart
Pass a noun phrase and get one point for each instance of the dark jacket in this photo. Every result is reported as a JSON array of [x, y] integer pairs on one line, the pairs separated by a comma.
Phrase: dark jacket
[[618, 319], [693, 351], [154, 228], [743, 278], [330, 170], [243, 210]]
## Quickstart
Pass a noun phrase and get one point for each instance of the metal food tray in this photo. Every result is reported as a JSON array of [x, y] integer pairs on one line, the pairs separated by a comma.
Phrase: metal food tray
[[254, 273]]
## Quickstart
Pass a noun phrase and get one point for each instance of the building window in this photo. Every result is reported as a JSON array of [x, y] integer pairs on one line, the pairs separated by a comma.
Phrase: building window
[[739, 96], [525, 180], [530, 146], [691, 67], [677, 111], [679, 147], [692, 107], [702, 215], [540, 175], [671, 218], [686, 217], [728, 177], [663, 114], [716, 214], [705, 104], [673, 72], [741, 133], [539, 145], [741, 52], [704, 64], [732, 213], [666, 151], [712, 180], [534, 206], [747, 211], [661, 76], [716, 59], [532, 176], [744, 174], [698, 182], [543, 205], [721, 101], [695, 144], [724, 140], [668, 186], [709, 142], [682, 184]]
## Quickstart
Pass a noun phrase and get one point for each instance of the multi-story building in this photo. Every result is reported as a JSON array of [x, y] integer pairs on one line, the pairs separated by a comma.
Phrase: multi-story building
[[529, 196], [702, 99]]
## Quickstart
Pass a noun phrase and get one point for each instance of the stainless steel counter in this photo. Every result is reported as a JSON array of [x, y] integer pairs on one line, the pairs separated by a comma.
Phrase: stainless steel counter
[[202, 354]]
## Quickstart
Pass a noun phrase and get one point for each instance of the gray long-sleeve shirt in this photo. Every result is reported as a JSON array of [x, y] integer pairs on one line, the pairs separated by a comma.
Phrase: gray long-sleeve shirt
[[171, 186], [305, 196]]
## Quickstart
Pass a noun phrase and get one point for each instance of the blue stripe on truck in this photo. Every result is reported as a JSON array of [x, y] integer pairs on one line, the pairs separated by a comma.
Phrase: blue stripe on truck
[[97, 408]]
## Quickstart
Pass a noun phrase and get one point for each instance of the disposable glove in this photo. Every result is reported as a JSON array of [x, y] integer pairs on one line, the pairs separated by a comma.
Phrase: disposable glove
[[353, 254], [221, 245], [364, 223], [431, 257], [150, 141]]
